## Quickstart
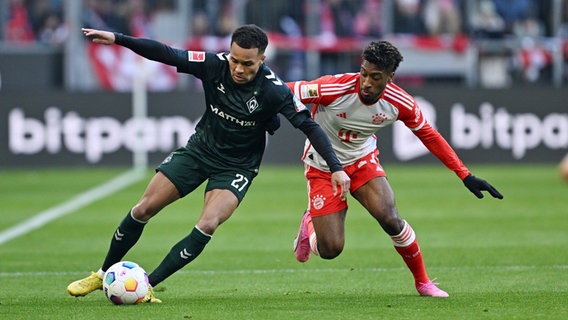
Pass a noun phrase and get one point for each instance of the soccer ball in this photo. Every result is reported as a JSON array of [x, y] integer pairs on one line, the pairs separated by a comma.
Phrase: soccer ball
[[125, 282]]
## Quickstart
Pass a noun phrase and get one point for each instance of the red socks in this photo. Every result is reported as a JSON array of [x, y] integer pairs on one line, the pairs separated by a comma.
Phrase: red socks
[[406, 245]]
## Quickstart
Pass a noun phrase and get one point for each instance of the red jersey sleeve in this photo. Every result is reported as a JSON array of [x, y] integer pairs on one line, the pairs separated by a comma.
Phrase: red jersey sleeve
[[324, 90], [411, 115], [439, 147]]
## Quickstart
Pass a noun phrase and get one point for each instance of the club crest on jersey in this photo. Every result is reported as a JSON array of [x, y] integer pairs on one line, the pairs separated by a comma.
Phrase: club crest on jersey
[[252, 104], [379, 118], [308, 91], [196, 56]]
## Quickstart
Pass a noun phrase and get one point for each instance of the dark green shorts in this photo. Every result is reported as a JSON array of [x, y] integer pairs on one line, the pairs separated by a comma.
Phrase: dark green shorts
[[188, 168]]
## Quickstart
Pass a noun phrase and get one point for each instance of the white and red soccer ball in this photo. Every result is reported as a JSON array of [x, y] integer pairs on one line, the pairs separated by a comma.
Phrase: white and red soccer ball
[[125, 282]]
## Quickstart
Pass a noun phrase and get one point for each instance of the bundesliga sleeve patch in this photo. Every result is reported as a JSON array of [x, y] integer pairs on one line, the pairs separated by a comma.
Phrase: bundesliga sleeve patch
[[308, 91], [196, 56], [298, 104]]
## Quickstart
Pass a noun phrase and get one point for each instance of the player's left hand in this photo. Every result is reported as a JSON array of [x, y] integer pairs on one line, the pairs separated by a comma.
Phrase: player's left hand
[[476, 185], [272, 125], [340, 179]]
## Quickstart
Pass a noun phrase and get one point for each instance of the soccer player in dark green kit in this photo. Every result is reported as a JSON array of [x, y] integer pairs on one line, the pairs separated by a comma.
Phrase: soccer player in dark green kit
[[243, 97]]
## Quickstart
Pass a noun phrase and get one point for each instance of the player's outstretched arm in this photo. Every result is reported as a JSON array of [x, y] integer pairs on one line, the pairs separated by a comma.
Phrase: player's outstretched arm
[[476, 185], [99, 36]]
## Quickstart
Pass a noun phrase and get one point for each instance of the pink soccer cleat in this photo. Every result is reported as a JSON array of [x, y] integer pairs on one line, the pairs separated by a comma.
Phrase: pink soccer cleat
[[302, 249], [429, 289]]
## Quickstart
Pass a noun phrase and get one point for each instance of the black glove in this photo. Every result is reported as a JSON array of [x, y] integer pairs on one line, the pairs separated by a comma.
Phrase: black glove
[[272, 125], [476, 185]]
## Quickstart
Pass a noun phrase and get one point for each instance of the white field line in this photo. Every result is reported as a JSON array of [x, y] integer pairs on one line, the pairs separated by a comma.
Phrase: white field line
[[79, 201], [316, 270]]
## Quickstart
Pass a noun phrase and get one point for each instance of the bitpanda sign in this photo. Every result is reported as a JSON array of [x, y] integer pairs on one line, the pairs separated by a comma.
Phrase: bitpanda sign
[[80, 129]]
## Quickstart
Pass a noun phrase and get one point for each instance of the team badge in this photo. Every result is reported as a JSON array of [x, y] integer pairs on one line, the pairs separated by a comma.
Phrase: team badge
[[308, 91], [318, 201], [196, 56], [252, 104], [379, 118]]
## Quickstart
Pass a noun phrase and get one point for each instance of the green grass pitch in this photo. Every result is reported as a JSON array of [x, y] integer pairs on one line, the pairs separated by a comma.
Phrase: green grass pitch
[[497, 259]]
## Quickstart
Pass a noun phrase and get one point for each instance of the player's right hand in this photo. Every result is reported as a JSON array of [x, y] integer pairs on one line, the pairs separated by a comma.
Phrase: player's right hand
[[340, 179], [99, 36]]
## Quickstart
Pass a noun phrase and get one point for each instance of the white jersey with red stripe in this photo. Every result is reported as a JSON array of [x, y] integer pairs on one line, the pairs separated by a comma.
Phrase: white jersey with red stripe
[[351, 124]]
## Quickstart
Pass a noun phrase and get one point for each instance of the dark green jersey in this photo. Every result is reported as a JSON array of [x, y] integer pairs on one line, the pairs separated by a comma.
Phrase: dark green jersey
[[232, 127], [231, 132]]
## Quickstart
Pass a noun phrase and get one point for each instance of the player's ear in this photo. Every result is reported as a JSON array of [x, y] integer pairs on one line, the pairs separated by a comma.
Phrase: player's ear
[[391, 77]]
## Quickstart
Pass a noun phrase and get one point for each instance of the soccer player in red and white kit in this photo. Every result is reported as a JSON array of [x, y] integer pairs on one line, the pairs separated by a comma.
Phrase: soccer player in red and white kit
[[350, 108]]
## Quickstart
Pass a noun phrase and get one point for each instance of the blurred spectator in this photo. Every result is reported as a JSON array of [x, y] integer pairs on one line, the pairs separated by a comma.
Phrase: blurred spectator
[[18, 28], [165, 21], [266, 14], [442, 17], [102, 14], [53, 32], [519, 17], [368, 20], [277, 16], [337, 17], [226, 22], [138, 20], [564, 24], [485, 22], [544, 13], [200, 25], [336, 20], [408, 17]]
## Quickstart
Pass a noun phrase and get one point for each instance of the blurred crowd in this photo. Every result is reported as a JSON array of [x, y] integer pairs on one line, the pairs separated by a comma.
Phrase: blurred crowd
[[38, 21], [43, 20]]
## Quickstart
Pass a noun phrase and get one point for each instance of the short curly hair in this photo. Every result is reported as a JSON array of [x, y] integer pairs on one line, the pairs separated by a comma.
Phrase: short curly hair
[[382, 54], [250, 36]]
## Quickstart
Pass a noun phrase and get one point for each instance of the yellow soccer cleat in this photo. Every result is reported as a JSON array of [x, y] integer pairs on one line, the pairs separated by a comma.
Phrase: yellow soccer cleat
[[85, 286], [151, 297]]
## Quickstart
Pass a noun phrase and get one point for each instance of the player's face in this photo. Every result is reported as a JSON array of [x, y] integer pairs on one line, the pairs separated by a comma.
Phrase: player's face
[[373, 82], [244, 63]]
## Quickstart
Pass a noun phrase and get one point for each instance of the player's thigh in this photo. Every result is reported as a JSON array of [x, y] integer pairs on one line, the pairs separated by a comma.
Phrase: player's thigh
[[330, 228], [159, 193]]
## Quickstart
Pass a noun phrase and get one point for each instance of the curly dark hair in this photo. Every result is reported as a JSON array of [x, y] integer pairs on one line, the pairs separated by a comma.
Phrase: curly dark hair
[[382, 54], [250, 36]]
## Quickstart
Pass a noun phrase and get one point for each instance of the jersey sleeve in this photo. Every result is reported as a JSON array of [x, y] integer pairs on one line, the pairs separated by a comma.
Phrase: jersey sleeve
[[439, 147], [411, 115], [197, 63], [294, 110], [323, 90], [151, 49]]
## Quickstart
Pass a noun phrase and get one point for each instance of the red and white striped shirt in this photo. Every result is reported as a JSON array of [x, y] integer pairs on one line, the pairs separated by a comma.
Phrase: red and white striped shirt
[[351, 125]]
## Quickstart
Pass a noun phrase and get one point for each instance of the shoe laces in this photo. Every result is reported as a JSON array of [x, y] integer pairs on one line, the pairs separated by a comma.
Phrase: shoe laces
[[428, 284]]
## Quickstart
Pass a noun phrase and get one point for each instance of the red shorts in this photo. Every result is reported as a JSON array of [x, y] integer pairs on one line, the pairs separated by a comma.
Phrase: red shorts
[[320, 192]]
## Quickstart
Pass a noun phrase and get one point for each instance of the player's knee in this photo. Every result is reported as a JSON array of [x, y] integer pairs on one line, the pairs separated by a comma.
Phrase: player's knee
[[143, 212], [330, 250], [392, 223], [208, 225]]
